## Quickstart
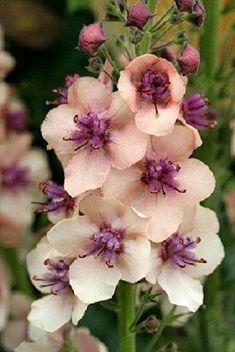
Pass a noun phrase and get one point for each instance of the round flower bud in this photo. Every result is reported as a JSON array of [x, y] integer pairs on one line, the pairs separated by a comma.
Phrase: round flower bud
[[189, 60], [91, 37], [200, 14], [138, 15]]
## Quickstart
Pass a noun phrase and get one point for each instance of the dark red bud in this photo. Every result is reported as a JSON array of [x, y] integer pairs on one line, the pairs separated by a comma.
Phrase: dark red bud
[[91, 37], [138, 15], [189, 60]]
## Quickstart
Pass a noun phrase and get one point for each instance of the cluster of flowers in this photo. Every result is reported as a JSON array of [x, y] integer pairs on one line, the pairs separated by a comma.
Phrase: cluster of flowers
[[130, 205]]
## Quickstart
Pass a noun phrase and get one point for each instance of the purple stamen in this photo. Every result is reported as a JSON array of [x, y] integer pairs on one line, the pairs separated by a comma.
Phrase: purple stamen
[[195, 112], [56, 276], [159, 176], [155, 88], [178, 250], [59, 199], [91, 130], [106, 243], [15, 177], [62, 93]]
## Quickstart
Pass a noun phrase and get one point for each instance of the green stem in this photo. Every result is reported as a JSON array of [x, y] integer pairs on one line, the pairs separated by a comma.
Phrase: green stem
[[127, 294], [152, 5], [209, 55], [19, 271]]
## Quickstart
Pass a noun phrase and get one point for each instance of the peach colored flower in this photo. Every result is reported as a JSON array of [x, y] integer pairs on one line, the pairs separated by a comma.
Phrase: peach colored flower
[[48, 271], [109, 243], [4, 294], [163, 183], [153, 89], [192, 252], [17, 326], [20, 169], [91, 133], [80, 339]]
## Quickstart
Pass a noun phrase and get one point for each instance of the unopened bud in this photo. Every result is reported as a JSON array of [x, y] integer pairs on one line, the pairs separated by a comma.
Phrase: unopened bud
[[189, 60], [151, 324], [185, 5], [199, 14], [138, 15], [91, 37]]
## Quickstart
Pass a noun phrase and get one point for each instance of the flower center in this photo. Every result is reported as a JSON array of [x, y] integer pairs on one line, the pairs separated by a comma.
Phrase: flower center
[[178, 250], [155, 88], [159, 176], [56, 276], [106, 243], [15, 177], [91, 130], [59, 199]]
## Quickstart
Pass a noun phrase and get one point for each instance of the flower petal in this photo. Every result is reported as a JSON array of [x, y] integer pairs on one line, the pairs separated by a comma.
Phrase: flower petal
[[89, 95], [181, 289], [128, 145], [70, 236], [134, 262], [51, 312], [79, 309], [197, 179], [86, 171], [58, 124], [177, 146], [92, 280]]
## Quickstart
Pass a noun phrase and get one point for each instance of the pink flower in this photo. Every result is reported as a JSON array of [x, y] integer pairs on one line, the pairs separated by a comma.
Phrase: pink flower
[[138, 15], [189, 60], [80, 339], [153, 89], [20, 169], [109, 243], [48, 271], [17, 326], [93, 132], [189, 254], [4, 294], [91, 37], [163, 183]]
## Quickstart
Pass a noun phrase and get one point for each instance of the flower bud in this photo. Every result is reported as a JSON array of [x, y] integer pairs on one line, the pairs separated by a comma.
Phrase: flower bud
[[151, 324], [185, 5], [138, 15], [91, 37], [189, 60], [200, 14]]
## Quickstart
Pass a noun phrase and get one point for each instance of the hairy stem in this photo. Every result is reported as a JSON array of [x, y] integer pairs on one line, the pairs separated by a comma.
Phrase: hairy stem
[[127, 294]]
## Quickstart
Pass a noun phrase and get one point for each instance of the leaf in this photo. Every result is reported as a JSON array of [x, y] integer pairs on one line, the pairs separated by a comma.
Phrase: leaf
[[75, 5]]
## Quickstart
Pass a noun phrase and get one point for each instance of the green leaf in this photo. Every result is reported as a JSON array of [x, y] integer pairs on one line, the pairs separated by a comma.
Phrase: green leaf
[[75, 5]]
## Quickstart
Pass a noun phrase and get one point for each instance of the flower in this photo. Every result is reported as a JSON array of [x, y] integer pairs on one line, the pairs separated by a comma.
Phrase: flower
[[91, 37], [195, 112], [48, 271], [20, 170], [153, 89], [17, 327], [189, 60], [109, 244], [138, 15], [4, 294], [95, 131], [190, 253], [79, 339], [163, 183]]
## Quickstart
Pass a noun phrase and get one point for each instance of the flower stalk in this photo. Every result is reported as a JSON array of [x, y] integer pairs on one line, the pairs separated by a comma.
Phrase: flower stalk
[[127, 294]]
